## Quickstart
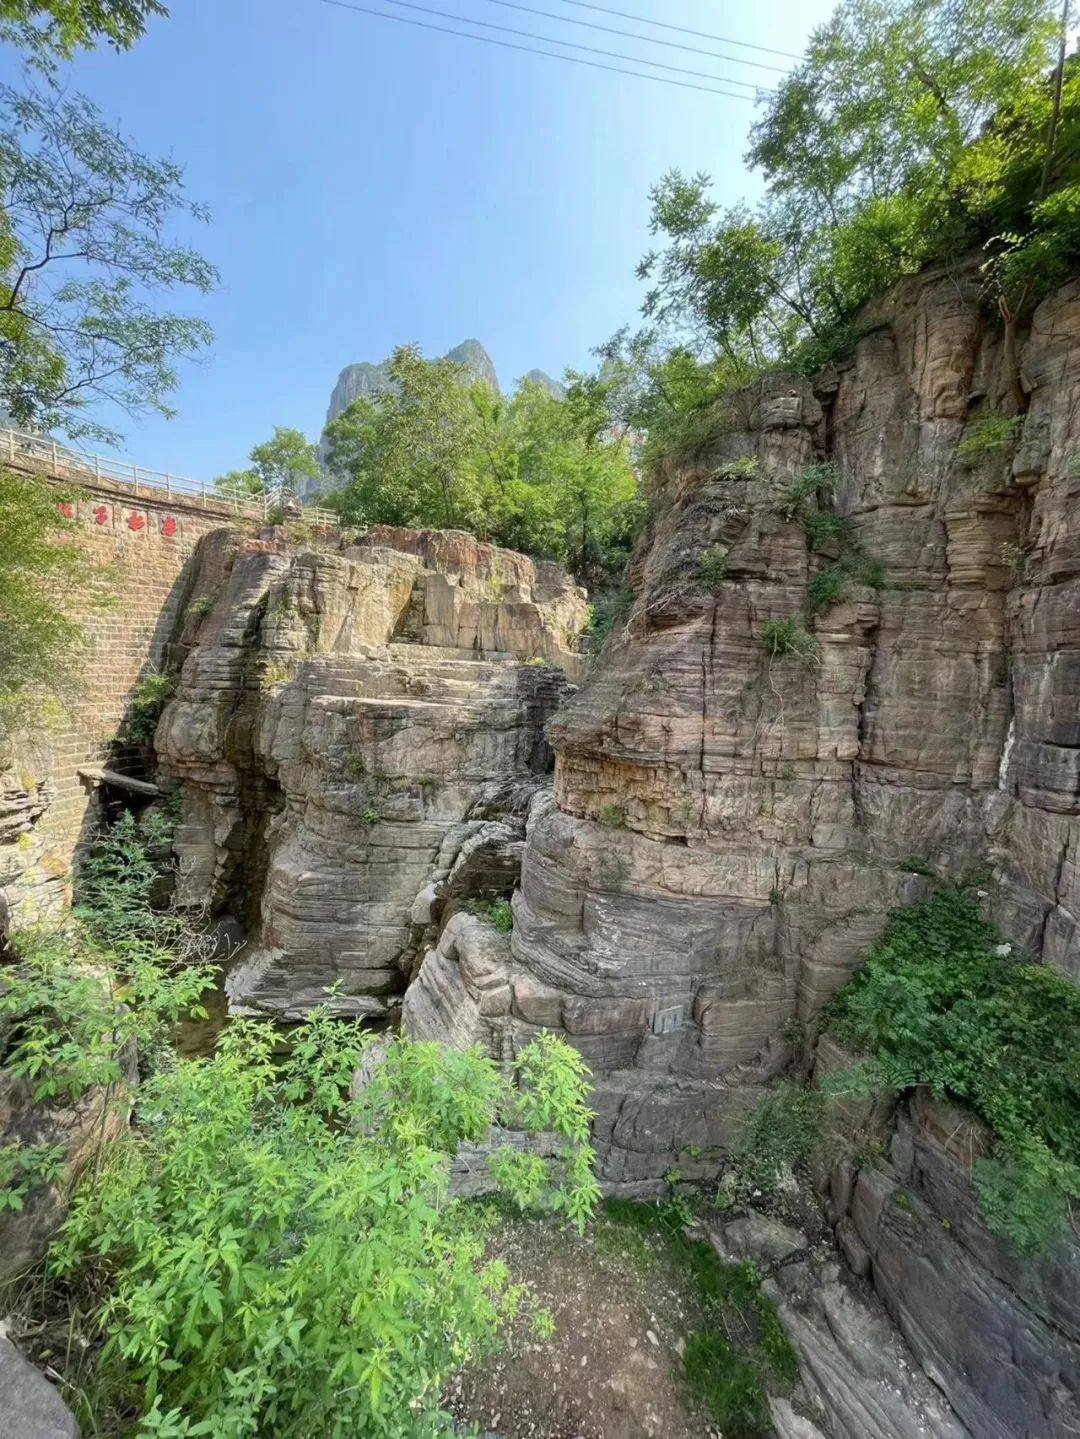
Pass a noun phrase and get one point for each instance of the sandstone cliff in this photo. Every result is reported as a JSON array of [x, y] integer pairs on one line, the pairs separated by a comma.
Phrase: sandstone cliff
[[729, 827], [345, 725]]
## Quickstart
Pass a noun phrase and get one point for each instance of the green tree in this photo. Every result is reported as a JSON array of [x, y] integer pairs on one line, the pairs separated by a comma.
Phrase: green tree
[[564, 486], [910, 130], [548, 475], [407, 454], [48, 30], [279, 467], [82, 223]]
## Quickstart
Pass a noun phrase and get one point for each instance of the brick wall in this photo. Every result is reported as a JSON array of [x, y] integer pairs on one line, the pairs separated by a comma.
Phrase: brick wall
[[147, 540]]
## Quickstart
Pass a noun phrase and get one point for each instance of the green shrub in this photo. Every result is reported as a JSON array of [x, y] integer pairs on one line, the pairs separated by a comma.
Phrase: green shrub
[[713, 567], [61, 1027], [788, 637], [777, 1136], [992, 432], [745, 467], [870, 572], [940, 1001], [151, 695], [48, 582], [201, 605], [355, 766], [272, 1257], [823, 527], [828, 587], [612, 815], [916, 864], [813, 482]]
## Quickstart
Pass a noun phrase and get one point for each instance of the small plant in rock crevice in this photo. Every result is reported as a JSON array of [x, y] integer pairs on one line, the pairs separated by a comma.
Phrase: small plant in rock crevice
[[276, 672], [498, 912], [745, 467], [813, 482], [200, 606], [713, 568], [827, 588], [989, 434], [825, 526], [613, 816], [788, 636]]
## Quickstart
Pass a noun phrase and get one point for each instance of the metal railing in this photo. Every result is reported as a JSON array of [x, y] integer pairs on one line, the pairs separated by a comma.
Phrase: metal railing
[[20, 447]]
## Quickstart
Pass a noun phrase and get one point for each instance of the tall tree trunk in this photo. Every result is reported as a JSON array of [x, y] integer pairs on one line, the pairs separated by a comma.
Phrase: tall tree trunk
[[1055, 112]]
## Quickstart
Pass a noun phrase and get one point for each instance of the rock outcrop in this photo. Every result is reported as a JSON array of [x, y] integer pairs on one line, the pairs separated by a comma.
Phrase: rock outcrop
[[32, 1408], [344, 719], [733, 819]]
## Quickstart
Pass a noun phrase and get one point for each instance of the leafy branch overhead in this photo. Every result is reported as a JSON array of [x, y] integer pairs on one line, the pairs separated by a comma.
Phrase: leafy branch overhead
[[84, 250], [51, 30]]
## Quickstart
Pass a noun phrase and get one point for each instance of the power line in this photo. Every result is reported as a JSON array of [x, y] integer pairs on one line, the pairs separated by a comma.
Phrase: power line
[[573, 45], [531, 50], [682, 29], [646, 39]]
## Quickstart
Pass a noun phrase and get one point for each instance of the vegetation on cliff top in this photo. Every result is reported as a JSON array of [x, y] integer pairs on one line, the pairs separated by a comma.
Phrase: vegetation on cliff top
[[533, 471], [911, 132]]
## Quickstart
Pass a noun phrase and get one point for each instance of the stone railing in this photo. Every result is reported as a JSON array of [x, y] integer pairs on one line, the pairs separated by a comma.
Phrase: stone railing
[[22, 450]]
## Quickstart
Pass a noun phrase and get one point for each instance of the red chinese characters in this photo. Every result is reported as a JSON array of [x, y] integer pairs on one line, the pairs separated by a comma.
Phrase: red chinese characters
[[136, 521], [67, 509], [168, 526], [101, 515]]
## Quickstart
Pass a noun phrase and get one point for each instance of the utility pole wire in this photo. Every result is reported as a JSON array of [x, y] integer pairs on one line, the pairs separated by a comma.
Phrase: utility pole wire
[[573, 45], [645, 39], [682, 29], [531, 50]]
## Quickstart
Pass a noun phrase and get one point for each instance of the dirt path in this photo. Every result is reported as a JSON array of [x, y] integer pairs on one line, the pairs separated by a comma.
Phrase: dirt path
[[612, 1368]]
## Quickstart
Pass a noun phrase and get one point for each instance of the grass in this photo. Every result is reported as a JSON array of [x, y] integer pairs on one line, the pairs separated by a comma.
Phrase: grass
[[726, 1380]]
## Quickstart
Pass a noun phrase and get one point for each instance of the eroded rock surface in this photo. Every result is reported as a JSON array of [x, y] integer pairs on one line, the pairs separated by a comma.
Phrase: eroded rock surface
[[340, 717], [730, 827]]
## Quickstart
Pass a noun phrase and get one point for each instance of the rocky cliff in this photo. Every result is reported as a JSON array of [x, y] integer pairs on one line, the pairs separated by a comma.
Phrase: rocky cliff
[[348, 723], [733, 817]]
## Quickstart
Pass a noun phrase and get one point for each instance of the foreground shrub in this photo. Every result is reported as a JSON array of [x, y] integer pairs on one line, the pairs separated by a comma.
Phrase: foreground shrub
[[274, 1257]]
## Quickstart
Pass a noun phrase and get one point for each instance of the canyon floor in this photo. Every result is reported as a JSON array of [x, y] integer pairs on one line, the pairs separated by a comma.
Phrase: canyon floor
[[625, 1306]]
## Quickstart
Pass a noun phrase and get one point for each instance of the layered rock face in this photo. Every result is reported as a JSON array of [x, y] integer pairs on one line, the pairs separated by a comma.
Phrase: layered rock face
[[730, 826], [342, 718]]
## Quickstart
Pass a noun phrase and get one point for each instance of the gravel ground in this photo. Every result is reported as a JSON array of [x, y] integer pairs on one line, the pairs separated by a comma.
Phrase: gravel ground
[[612, 1368]]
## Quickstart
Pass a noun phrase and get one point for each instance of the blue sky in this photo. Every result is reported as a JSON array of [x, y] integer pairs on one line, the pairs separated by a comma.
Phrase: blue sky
[[373, 183]]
